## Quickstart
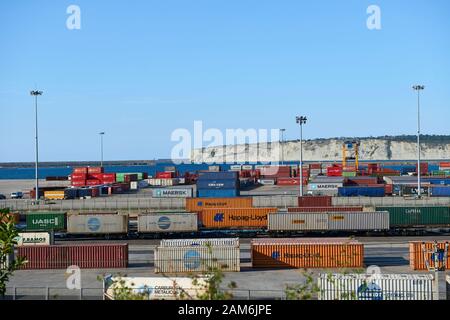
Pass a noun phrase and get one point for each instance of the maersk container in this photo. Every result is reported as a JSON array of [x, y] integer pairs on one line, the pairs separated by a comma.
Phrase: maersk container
[[297, 222], [230, 193], [171, 193], [361, 191], [173, 222], [225, 175], [417, 216], [358, 221], [440, 191], [192, 259], [217, 184], [45, 221], [97, 224], [219, 242], [375, 286]]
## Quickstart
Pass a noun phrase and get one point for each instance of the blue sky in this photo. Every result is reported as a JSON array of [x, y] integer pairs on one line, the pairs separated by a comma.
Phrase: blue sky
[[141, 69]]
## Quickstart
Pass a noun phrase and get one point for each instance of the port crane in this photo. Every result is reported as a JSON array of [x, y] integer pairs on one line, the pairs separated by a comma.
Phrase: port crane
[[350, 153]]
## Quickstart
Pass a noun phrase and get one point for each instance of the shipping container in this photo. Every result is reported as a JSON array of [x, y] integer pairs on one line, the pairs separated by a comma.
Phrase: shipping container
[[361, 181], [92, 170], [225, 193], [81, 170], [435, 180], [358, 221], [298, 222], [173, 222], [236, 167], [54, 195], [218, 242], [84, 193], [196, 259], [198, 204], [235, 217], [369, 191], [214, 168], [34, 239], [93, 182], [226, 175], [375, 287], [310, 201], [171, 193], [45, 221], [71, 193], [86, 256], [325, 209], [247, 167], [440, 191], [291, 181], [421, 253], [268, 182], [78, 176], [307, 253], [219, 184], [78, 183], [97, 224], [417, 216]]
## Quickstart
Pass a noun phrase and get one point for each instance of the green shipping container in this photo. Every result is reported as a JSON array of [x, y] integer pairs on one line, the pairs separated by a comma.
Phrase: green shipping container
[[349, 174], [417, 216], [46, 221], [120, 177]]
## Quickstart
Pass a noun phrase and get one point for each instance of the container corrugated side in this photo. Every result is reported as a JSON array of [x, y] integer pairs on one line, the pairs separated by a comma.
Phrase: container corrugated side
[[174, 222], [352, 221], [236, 217], [325, 209], [375, 287], [298, 221], [91, 256], [45, 221], [417, 257], [307, 253], [97, 224], [196, 259], [219, 242], [315, 201], [198, 204], [417, 216]]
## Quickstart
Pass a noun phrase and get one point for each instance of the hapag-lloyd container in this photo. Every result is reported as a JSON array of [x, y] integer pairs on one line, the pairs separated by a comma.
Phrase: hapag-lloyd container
[[45, 221], [235, 217], [375, 286], [307, 253], [198, 204], [86, 256], [219, 242], [97, 224], [173, 222], [417, 254], [312, 201], [297, 221], [325, 209], [194, 259]]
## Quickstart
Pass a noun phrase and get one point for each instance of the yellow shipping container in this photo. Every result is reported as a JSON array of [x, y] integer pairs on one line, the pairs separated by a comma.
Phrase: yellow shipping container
[[54, 195]]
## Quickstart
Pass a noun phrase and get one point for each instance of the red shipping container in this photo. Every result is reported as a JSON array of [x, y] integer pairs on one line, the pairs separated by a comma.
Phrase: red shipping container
[[445, 165], [362, 181], [79, 176], [78, 183], [291, 181], [92, 170], [318, 201], [95, 176], [326, 209], [164, 175], [109, 176], [86, 256], [82, 170], [423, 168], [93, 182], [315, 166]]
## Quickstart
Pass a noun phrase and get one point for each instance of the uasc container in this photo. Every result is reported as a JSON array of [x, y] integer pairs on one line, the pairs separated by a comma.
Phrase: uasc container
[[307, 253], [198, 204], [174, 222], [45, 221], [235, 217], [97, 224]]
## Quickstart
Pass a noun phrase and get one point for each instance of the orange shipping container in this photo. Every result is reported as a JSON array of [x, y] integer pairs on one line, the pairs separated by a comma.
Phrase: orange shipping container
[[307, 253], [235, 217], [416, 254], [199, 204]]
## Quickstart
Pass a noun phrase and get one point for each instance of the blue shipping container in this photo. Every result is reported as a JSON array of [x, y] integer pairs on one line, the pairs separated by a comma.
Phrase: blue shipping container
[[217, 184], [361, 192], [227, 175], [443, 181], [71, 193], [440, 191], [84, 193], [226, 193]]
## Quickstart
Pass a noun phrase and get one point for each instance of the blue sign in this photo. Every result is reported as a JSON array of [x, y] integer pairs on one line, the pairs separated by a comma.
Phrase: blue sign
[[219, 217], [370, 291], [192, 260], [164, 223], [94, 224]]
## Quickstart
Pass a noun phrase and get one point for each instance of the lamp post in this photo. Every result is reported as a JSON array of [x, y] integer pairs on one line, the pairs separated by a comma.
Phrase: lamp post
[[418, 88], [301, 121], [101, 147], [36, 93], [282, 145]]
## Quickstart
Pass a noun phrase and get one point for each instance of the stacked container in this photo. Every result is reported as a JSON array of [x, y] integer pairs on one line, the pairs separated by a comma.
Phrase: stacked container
[[91, 176], [97, 224], [200, 204], [172, 222], [315, 201], [418, 258], [307, 253], [417, 216], [229, 218], [218, 184], [197, 255]]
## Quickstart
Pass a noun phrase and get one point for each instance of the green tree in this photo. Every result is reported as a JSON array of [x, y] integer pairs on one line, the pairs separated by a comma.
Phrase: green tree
[[8, 235]]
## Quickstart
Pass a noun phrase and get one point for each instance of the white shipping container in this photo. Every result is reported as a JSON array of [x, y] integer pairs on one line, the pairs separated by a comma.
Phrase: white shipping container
[[297, 221], [199, 242], [247, 167], [173, 222], [158, 288], [169, 182], [97, 224], [182, 180], [172, 193], [235, 168], [350, 221], [375, 287], [270, 182], [134, 185], [196, 259], [34, 239]]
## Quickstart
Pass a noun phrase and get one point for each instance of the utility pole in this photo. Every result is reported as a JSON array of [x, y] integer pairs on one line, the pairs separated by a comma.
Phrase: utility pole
[[36, 93], [418, 88], [301, 121]]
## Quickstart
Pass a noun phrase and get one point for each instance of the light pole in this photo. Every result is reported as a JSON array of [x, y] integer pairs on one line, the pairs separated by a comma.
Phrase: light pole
[[101, 147], [301, 121], [282, 145], [36, 93], [418, 88]]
